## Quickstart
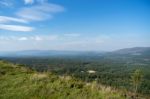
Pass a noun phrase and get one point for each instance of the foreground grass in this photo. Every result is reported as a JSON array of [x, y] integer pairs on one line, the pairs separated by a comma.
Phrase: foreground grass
[[21, 83]]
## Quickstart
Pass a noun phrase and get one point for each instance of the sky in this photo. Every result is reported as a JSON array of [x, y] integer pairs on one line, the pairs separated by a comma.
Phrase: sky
[[86, 25]]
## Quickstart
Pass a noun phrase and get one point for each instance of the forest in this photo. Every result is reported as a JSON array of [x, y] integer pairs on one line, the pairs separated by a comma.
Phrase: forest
[[17, 82], [113, 71]]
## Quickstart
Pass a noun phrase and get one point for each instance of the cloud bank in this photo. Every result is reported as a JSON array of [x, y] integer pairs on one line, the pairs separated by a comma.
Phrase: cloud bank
[[38, 11], [16, 28]]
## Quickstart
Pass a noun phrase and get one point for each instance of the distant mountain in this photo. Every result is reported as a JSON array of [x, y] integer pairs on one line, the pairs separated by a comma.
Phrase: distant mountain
[[138, 55], [136, 51], [133, 51], [46, 53]]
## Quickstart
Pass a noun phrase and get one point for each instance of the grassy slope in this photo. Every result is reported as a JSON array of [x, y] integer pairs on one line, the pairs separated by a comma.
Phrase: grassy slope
[[22, 83]]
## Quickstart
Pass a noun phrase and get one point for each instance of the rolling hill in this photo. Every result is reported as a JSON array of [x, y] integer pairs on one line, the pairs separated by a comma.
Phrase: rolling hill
[[133, 51], [18, 82], [136, 51], [112, 68]]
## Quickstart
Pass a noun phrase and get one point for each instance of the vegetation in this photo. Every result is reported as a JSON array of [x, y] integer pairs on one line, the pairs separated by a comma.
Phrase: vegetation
[[115, 69], [18, 82], [112, 70], [136, 79]]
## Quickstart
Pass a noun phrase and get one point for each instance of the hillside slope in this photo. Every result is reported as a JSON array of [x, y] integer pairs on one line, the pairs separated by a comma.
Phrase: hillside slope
[[133, 51], [21, 83]]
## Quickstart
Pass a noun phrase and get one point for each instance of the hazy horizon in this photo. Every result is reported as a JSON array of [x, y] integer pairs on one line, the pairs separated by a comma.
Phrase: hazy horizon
[[74, 25], [74, 50]]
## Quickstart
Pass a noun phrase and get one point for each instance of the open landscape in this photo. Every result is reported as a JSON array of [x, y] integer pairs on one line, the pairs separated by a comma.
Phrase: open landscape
[[107, 69], [74, 49]]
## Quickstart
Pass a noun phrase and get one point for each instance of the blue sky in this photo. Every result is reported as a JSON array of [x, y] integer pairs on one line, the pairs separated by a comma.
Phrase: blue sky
[[74, 24]]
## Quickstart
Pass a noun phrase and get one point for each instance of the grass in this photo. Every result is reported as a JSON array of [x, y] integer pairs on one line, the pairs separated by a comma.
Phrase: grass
[[22, 83]]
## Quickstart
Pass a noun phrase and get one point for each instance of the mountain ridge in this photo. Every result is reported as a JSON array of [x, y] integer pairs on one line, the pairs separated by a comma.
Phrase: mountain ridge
[[132, 50], [36, 53]]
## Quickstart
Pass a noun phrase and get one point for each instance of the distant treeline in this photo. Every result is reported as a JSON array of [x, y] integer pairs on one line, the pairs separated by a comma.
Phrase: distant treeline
[[111, 71]]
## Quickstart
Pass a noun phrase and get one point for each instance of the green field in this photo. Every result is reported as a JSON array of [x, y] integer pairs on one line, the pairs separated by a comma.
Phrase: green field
[[22, 83]]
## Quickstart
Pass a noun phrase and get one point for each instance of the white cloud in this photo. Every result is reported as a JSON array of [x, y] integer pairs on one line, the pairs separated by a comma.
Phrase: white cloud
[[16, 28], [51, 37], [22, 38], [30, 38], [72, 35], [36, 38], [4, 19], [33, 1], [41, 1], [28, 1], [39, 12], [33, 15], [58, 42], [6, 3], [44, 37]]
